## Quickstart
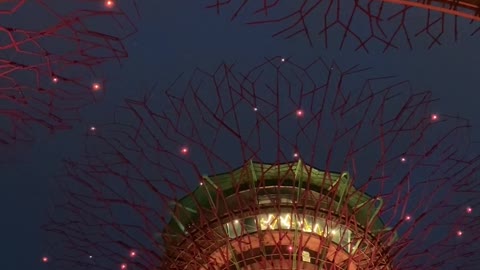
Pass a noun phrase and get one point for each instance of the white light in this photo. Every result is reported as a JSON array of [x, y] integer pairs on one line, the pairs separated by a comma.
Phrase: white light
[[403, 160], [255, 109]]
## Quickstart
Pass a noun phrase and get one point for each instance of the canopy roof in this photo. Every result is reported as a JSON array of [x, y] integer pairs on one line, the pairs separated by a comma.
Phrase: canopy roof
[[296, 174]]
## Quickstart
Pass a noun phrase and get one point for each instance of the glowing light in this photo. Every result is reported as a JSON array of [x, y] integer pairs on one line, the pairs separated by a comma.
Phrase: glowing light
[[184, 150], [123, 266], [96, 87], [408, 218], [201, 183], [403, 159], [90, 256], [54, 79], [299, 113], [285, 221], [290, 248], [45, 259], [434, 117], [92, 128], [109, 3], [468, 210], [133, 253], [459, 233], [255, 109], [283, 60], [295, 155]]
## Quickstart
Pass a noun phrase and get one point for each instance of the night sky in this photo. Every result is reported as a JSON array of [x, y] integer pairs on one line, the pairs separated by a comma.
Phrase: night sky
[[178, 36]]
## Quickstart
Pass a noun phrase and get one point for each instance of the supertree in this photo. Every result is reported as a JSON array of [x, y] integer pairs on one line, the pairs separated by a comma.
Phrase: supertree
[[388, 24], [279, 166], [49, 62]]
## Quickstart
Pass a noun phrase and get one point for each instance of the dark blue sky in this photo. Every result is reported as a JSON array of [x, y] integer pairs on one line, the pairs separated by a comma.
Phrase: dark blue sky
[[177, 37]]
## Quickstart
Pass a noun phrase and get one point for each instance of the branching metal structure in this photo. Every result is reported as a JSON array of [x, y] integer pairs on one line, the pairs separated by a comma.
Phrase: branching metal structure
[[386, 24], [279, 166], [48, 63]]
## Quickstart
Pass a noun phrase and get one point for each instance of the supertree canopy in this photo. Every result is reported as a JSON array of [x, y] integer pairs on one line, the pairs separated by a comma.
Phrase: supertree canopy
[[49, 63], [279, 166], [387, 24]]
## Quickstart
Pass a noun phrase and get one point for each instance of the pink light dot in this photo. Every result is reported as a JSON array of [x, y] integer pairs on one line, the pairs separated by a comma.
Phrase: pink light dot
[[295, 155], [201, 183], [109, 3], [403, 160], [290, 248], [45, 259], [184, 150], [408, 218], [469, 210], [92, 128], [123, 266], [459, 233], [96, 87], [299, 113], [54, 79], [434, 117], [255, 109], [133, 254]]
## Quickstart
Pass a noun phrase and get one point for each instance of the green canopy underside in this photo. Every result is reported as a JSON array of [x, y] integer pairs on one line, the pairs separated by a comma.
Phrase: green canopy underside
[[252, 174]]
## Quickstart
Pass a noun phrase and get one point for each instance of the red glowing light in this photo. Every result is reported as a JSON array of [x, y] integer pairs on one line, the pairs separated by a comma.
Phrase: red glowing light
[[434, 117], [133, 254], [184, 150], [408, 218], [459, 233], [96, 87], [109, 3], [299, 113], [123, 266], [54, 79], [469, 210], [45, 259]]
